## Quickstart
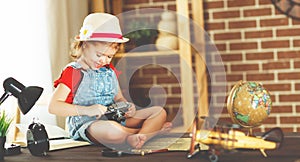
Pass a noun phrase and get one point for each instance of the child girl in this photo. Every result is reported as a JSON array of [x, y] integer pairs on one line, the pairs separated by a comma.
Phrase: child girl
[[89, 84]]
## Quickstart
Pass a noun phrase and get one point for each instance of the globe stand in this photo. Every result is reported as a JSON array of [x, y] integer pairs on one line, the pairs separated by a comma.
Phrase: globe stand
[[249, 104], [250, 132]]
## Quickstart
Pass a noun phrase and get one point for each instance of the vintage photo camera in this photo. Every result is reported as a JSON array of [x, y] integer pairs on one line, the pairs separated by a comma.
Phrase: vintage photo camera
[[116, 111]]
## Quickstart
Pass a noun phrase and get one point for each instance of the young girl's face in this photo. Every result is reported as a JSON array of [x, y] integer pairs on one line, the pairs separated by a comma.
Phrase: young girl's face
[[98, 54]]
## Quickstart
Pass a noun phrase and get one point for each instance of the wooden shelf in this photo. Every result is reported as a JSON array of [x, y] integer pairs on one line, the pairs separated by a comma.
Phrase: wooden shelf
[[147, 53], [185, 60]]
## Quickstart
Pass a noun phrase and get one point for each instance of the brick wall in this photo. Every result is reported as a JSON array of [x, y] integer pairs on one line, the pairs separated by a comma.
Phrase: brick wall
[[256, 43], [152, 81]]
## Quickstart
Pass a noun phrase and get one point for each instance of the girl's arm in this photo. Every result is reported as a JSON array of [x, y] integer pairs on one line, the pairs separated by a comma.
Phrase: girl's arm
[[59, 107], [119, 97]]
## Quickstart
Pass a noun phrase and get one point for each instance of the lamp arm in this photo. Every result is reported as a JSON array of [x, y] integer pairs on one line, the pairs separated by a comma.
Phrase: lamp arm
[[4, 97]]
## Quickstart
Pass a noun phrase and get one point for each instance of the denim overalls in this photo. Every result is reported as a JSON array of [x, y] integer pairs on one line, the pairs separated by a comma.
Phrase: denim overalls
[[96, 87]]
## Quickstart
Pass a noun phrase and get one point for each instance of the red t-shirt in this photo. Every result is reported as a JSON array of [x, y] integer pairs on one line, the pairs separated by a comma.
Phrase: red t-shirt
[[71, 77]]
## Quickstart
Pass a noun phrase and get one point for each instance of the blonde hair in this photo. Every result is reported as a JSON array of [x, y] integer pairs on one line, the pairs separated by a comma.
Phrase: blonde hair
[[77, 48]]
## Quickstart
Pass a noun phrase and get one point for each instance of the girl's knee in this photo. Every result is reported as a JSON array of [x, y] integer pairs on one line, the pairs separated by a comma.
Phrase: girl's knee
[[107, 132], [160, 111]]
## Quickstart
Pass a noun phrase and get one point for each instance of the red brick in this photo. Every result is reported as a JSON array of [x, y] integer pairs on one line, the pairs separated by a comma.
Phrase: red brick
[[221, 47], [289, 76], [288, 32], [239, 3], [143, 10], [234, 77], [173, 100], [276, 65], [260, 56], [127, 8], [218, 88], [289, 98], [270, 120], [155, 71], [274, 22], [137, 60], [260, 77], [221, 99], [264, 2], [275, 44], [295, 22], [278, 87], [129, 2], [206, 16], [161, 80], [175, 90], [220, 77], [227, 36], [257, 12], [297, 64], [297, 87], [281, 109], [159, 92], [288, 54], [135, 80], [242, 24], [228, 119], [287, 129], [232, 57], [244, 67], [214, 25], [296, 43], [161, 0], [290, 120], [298, 108], [226, 14], [243, 46], [172, 7], [171, 59], [217, 68], [259, 34], [211, 5]]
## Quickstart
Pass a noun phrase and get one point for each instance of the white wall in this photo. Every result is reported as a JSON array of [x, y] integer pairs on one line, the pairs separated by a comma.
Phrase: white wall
[[24, 52]]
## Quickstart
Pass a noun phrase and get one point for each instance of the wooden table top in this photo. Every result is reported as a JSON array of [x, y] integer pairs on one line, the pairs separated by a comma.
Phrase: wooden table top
[[289, 152]]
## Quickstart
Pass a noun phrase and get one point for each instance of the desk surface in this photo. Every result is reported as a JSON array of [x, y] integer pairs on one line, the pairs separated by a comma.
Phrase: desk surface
[[289, 152]]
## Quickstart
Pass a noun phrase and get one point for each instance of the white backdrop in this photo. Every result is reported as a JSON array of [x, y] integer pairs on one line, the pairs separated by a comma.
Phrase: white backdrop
[[24, 53]]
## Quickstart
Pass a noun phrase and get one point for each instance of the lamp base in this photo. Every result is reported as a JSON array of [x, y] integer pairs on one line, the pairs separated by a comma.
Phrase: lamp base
[[12, 149]]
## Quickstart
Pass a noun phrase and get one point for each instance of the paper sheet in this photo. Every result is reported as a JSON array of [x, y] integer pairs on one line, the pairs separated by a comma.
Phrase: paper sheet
[[172, 144], [66, 143]]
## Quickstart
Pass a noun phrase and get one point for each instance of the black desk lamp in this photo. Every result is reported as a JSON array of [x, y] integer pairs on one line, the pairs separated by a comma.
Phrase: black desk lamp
[[27, 96]]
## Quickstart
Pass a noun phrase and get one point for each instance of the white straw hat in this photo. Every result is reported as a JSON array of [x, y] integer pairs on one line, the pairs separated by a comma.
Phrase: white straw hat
[[101, 27]]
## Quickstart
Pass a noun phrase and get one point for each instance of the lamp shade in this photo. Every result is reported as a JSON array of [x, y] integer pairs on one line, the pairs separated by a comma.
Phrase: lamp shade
[[27, 96]]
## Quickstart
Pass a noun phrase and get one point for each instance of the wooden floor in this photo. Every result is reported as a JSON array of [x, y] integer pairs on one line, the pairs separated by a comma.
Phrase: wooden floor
[[289, 152]]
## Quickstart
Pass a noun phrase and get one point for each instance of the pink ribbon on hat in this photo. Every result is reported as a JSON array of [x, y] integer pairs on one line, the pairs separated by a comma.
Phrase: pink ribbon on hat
[[106, 35]]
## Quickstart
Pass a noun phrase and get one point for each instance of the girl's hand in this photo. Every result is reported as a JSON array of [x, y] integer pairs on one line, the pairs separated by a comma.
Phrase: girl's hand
[[131, 111], [96, 110]]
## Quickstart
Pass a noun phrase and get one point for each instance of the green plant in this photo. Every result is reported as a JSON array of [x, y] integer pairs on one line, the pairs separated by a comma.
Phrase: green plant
[[5, 122], [140, 30]]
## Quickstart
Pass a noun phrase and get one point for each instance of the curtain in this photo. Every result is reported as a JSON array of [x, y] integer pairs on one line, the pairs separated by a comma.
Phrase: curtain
[[64, 19], [24, 50], [35, 42]]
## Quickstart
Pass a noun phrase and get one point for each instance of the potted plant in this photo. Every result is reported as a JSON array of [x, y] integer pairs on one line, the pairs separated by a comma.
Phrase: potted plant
[[5, 122], [140, 33]]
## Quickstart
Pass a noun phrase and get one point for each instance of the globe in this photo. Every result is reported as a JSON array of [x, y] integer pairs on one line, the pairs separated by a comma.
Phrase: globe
[[249, 104]]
